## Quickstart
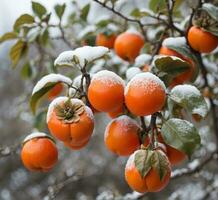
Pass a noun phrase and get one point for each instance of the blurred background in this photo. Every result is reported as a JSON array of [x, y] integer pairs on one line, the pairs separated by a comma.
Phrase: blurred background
[[91, 173]]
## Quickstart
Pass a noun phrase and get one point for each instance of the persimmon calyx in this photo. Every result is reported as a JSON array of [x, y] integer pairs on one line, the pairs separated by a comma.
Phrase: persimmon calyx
[[69, 112]]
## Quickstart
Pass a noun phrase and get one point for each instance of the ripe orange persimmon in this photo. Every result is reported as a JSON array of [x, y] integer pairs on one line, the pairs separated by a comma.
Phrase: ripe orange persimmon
[[70, 121], [105, 40], [106, 91], [145, 94], [39, 152], [175, 156], [185, 76], [202, 41], [121, 136], [55, 91], [115, 113], [150, 183], [128, 45]]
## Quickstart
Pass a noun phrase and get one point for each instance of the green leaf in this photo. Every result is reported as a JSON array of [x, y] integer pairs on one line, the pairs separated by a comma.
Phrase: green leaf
[[44, 36], [85, 12], [37, 95], [38, 9], [170, 67], [181, 135], [39, 120], [59, 10], [160, 163], [17, 51], [8, 36], [184, 50], [211, 10], [22, 20], [190, 98], [157, 5], [140, 13], [143, 161], [26, 71]]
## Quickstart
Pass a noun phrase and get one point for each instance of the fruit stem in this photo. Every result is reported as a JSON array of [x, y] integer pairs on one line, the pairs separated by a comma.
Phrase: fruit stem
[[153, 127]]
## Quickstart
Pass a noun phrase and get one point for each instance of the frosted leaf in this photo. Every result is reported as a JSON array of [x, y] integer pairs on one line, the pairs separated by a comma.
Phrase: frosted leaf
[[108, 77], [142, 80], [51, 78], [189, 97], [131, 161], [142, 59], [34, 135], [81, 56], [58, 101], [131, 72], [174, 41]]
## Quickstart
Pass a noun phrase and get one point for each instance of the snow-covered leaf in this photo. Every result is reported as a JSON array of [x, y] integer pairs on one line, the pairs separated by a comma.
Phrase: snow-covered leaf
[[81, 56], [181, 135], [190, 98], [44, 85]]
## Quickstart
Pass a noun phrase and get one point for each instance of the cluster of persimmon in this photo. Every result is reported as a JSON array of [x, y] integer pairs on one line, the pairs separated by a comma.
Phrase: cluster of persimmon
[[71, 121]]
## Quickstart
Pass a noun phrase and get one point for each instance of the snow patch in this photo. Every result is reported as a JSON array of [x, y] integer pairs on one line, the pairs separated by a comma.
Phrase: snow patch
[[51, 78], [124, 121], [34, 135], [86, 31], [174, 41], [108, 77], [132, 30], [83, 54], [145, 80], [142, 59], [131, 72]]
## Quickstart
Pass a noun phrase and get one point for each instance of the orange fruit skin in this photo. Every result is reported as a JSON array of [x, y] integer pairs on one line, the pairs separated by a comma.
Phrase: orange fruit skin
[[143, 101], [146, 68], [115, 113], [175, 156], [128, 46], [185, 76], [105, 97], [55, 91], [74, 133], [150, 183], [202, 41], [105, 40], [76, 146], [120, 138], [39, 154]]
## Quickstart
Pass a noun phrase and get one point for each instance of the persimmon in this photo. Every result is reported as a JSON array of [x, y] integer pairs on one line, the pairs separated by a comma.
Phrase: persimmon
[[174, 155], [145, 94], [115, 113], [146, 68], [128, 45], [106, 91], [202, 41], [70, 121], [55, 91], [185, 76], [150, 183], [105, 40], [121, 136], [39, 152]]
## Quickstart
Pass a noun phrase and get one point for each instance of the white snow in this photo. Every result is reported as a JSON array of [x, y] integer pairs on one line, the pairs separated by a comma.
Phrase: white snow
[[57, 101], [174, 41], [86, 30], [145, 80], [142, 59], [108, 77], [186, 90], [89, 113], [34, 135], [131, 72], [132, 30], [51, 78], [124, 121], [83, 54]]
